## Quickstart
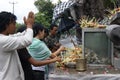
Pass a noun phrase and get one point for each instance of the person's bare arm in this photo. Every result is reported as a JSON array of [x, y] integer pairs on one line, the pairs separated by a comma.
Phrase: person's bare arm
[[44, 62], [56, 53]]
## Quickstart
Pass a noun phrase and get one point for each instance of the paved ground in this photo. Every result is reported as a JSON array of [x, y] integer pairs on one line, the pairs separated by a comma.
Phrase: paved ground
[[92, 73]]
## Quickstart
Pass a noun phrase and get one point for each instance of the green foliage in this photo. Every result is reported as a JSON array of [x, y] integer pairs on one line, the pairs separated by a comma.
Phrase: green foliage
[[18, 25], [45, 8], [110, 4], [59, 1], [42, 18]]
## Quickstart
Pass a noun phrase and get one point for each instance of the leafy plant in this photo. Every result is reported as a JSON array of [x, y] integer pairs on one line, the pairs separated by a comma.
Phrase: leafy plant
[[45, 8]]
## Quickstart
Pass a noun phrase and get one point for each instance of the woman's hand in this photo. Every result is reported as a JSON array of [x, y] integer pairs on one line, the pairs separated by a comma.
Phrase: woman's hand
[[57, 59], [62, 48]]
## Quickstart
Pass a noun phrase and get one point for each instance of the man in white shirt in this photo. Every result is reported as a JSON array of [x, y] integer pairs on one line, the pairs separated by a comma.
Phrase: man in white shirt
[[10, 66]]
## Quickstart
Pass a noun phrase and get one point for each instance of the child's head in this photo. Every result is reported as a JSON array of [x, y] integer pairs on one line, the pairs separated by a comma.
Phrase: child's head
[[38, 30]]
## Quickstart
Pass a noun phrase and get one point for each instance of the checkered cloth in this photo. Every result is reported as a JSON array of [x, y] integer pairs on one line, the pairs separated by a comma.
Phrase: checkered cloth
[[60, 8]]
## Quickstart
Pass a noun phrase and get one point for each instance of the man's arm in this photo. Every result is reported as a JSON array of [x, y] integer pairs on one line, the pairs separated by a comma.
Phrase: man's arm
[[12, 43]]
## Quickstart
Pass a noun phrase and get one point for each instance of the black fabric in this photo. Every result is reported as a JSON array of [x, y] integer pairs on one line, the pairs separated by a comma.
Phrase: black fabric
[[39, 75], [24, 56], [65, 24], [78, 34], [115, 19]]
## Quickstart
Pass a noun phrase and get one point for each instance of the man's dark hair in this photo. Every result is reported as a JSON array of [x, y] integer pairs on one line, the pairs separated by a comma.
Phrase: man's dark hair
[[52, 26], [5, 19]]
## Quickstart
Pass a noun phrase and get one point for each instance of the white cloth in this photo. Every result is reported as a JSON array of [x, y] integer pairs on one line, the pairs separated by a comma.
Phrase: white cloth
[[39, 68], [10, 66], [60, 8]]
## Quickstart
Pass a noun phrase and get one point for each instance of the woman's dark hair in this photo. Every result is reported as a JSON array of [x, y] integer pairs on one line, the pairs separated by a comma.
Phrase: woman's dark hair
[[5, 19], [46, 31], [36, 28], [21, 28]]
